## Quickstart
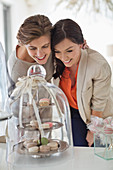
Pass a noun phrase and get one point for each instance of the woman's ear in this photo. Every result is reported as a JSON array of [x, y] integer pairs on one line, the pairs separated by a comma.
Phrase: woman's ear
[[81, 45], [20, 43], [84, 45]]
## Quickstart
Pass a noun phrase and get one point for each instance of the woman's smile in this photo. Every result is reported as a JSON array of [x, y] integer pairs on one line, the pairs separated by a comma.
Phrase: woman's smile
[[40, 58], [68, 61]]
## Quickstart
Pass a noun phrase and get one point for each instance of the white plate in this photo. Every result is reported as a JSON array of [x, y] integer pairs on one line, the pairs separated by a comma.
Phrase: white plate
[[56, 125], [62, 146]]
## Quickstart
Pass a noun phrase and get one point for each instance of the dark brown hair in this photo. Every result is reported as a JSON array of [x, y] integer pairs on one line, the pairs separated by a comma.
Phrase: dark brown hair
[[65, 28], [33, 27]]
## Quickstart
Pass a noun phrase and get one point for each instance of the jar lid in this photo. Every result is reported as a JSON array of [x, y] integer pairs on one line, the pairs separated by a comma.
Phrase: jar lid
[[36, 70]]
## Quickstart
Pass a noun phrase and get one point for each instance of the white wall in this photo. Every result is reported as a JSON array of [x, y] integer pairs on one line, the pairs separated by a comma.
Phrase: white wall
[[97, 30], [19, 11], [1, 26]]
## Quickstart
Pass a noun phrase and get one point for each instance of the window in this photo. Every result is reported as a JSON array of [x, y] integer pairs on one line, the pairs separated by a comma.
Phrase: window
[[5, 29]]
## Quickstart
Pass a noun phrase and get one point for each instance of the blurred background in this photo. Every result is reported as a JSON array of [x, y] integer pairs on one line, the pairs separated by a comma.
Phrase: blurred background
[[94, 16]]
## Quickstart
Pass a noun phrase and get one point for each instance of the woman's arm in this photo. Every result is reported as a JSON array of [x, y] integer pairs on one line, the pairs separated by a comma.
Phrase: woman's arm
[[100, 95], [101, 89], [97, 113]]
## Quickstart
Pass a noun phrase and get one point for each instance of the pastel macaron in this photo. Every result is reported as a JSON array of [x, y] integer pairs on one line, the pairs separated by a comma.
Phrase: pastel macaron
[[53, 145], [33, 149], [44, 102], [44, 148], [49, 123]]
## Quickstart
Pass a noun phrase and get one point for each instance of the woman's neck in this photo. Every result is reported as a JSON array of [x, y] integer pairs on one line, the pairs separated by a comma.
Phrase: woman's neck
[[72, 70], [22, 54]]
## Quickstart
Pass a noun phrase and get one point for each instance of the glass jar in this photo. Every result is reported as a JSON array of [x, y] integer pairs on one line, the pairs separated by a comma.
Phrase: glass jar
[[103, 145], [5, 112], [4, 104], [41, 125]]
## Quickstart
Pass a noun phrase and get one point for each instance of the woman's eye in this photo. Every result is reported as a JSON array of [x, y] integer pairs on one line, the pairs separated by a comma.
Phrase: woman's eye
[[57, 51], [32, 48], [69, 51], [46, 46]]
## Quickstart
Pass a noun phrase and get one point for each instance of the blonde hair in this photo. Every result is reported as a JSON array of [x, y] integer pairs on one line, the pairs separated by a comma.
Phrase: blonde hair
[[33, 27]]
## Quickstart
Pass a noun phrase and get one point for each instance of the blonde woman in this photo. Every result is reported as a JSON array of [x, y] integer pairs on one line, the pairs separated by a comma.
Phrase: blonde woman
[[33, 48]]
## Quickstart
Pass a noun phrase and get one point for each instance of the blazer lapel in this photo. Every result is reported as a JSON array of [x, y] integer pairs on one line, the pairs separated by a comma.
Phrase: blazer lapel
[[80, 82]]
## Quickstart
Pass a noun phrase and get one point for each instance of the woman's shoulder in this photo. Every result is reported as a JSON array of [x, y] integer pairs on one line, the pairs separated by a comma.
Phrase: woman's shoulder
[[96, 57], [94, 61], [13, 58], [98, 61]]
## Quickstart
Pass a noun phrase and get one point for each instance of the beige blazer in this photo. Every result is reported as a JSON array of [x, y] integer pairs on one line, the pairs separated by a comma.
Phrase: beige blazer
[[94, 85]]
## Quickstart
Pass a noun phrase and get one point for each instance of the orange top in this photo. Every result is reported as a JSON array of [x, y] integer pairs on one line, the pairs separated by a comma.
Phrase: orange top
[[65, 85]]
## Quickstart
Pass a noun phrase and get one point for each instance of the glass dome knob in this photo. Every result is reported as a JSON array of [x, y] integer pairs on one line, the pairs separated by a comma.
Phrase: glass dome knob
[[36, 70]]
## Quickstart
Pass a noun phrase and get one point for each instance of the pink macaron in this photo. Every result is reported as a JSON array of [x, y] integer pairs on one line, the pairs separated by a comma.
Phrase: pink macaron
[[50, 124]]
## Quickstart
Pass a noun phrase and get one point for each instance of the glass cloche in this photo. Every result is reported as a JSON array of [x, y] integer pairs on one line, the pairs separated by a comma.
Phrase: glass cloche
[[40, 127], [4, 104]]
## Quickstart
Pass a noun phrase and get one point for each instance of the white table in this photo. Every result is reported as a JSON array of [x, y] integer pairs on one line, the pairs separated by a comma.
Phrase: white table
[[83, 159]]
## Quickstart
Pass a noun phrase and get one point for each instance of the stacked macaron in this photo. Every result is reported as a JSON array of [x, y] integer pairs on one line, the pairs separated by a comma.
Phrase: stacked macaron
[[42, 146], [53, 145], [31, 145], [50, 146], [44, 102], [45, 125], [34, 149]]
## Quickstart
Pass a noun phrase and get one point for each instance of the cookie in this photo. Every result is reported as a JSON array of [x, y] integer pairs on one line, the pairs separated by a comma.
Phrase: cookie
[[27, 141], [44, 148], [44, 102], [29, 145], [33, 149], [53, 145], [45, 126]]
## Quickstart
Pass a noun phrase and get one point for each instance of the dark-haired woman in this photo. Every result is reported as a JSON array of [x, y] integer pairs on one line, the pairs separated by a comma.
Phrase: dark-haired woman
[[85, 78]]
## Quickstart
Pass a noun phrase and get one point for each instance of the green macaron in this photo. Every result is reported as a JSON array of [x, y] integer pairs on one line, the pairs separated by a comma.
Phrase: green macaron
[[44, 141]]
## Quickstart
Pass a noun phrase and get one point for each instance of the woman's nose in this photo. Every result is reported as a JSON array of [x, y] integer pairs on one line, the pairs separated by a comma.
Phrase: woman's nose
[[63, 56], [39, 52]]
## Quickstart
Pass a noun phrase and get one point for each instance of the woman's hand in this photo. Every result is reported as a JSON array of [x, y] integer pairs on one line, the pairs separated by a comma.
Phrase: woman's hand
[[90, 138]]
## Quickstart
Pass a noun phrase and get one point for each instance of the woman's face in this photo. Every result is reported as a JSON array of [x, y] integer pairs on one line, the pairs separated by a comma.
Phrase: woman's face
[[39, 49], [68, 52]]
